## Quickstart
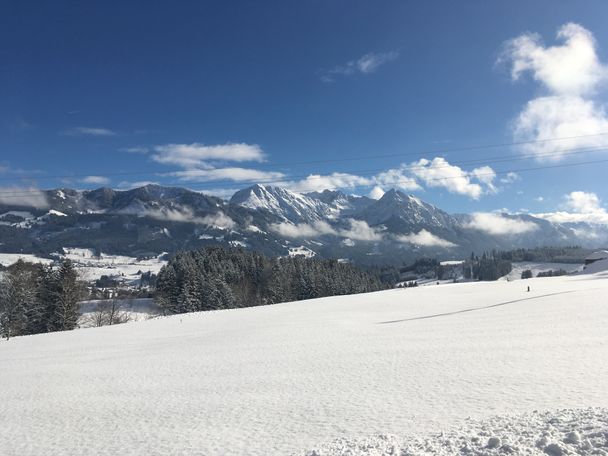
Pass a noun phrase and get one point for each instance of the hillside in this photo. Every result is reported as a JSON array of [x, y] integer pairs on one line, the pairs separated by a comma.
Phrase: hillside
[[286, 378]]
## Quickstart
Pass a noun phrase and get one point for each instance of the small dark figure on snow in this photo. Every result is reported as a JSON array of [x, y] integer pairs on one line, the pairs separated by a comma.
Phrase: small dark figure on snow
[[528, 288]]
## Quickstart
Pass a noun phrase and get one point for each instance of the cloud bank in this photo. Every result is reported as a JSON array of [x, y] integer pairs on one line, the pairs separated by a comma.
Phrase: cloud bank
[[197, 155], [426, 239], [359, 230], [88, 131], [23, 196], [499, 225], [185, 215], [579, 206]]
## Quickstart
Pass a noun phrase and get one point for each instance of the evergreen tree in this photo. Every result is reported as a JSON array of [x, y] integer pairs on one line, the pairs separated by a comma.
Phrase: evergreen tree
[[64, 298]]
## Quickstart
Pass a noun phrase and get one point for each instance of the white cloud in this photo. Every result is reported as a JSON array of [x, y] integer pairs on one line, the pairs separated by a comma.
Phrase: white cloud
[[426, 239], [583, 202], [376, 193], [197, 155], [439, 173], [485, 175], [510, 177], [136, 184], [317, 182], [571, 73], [232, 173], [223, 193], [434, 173], [303, 230], [370, 62], [199, 162], [348, 242], [498, 225], [571, 68], [574, 217], [397, 178], [218, 220], [360, 231], [135, 150], [23, 196], [579, 207], [539, 199], [391, 178], [560, 116], [88, 131], [365, 64], [95, 180]]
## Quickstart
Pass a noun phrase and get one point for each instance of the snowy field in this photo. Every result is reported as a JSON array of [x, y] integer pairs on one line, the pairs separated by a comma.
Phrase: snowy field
[[91, 267], [6, 259], [134, 309], [428, 370]]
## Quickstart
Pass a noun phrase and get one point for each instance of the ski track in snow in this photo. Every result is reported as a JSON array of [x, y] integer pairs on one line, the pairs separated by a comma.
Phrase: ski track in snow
[[290, 377]]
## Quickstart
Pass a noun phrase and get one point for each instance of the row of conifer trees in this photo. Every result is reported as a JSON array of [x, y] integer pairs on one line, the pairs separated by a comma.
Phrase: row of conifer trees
[[218, 278]]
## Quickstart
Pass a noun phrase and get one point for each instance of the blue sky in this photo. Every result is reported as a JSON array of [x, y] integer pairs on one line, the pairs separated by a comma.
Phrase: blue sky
[[215, 95]]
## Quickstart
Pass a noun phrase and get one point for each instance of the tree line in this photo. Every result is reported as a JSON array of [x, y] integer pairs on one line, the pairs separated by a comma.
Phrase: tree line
[[573, 254], [36, 298], [218, 278], [490, 266]]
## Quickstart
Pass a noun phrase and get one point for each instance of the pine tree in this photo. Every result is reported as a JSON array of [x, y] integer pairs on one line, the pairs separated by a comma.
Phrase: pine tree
[[17, 299], [64, 298]]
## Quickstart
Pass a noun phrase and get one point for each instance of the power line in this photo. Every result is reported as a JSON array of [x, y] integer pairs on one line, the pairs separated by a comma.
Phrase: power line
[[364, 173], [336, 160], [445, 178], [444, 151]]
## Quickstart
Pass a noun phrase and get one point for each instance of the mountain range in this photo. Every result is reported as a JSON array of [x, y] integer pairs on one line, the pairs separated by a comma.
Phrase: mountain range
[[152, 219]]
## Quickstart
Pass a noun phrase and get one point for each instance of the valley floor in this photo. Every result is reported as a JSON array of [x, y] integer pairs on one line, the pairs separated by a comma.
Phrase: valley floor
[[291, 377]]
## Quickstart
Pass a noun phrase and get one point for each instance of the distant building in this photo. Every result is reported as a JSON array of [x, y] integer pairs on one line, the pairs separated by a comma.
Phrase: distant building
[[596, 256]]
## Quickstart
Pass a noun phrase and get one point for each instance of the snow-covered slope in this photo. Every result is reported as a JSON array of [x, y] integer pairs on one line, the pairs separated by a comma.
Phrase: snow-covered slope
[[553, 433], [286, 378], [6, 259]]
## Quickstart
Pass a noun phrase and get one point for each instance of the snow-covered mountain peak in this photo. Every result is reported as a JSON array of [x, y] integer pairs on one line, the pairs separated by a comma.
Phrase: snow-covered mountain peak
[[395, 204], [284, 203]]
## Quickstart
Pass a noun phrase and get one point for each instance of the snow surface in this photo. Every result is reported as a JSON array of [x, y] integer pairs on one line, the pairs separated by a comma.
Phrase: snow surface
[[136, 309], [286, 378], [550, 433], [301, 250], [599, 266], [452, 262], [6, 259], [91, 267], [599, 255]]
